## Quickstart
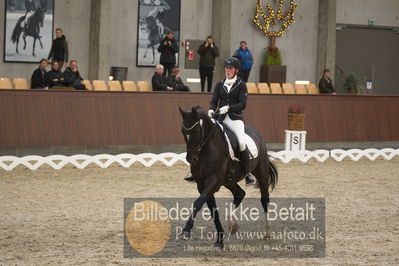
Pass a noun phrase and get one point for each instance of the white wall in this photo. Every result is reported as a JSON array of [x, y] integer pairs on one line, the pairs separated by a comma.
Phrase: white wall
[[298, 45], [73, 16], [385, 12]]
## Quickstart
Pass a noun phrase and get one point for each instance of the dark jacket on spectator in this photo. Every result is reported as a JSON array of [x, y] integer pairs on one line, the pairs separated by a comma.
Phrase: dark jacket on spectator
[[72, 79], [159, 83], [326, 86], [168, 52], [176, 83], [59, 50], [39, 79], [55, 74], [208, 54]]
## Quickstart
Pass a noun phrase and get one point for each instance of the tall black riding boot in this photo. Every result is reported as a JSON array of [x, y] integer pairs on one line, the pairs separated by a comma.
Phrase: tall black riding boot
[[249, 178]]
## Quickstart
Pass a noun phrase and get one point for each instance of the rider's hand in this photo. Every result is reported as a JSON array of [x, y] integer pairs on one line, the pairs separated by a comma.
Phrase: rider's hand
[[211, 113], [224, 110]]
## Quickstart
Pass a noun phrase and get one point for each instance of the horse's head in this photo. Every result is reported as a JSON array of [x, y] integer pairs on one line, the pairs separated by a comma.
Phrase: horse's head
[[193, 131]]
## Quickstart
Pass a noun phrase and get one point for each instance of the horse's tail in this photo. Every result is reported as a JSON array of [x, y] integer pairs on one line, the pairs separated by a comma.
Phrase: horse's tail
[[17, 30], [273, 175]]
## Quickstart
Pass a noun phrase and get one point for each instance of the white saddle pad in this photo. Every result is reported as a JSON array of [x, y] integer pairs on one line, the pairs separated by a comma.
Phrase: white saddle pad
[[253, 149]]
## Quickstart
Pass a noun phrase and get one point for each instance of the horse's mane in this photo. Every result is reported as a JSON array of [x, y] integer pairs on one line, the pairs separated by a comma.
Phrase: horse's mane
[[201, 112]]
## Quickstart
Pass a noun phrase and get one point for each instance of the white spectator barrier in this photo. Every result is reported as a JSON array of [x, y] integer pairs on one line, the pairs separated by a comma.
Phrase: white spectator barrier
[[57, 162]]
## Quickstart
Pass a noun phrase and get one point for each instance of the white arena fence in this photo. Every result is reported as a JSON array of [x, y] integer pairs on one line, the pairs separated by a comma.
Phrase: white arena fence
[[57, 162]]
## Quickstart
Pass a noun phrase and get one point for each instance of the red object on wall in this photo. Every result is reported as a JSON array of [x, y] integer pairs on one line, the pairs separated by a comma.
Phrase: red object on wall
[[190, 55]]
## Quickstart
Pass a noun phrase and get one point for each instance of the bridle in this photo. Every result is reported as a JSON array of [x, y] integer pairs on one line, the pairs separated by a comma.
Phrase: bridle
[[202, 142]]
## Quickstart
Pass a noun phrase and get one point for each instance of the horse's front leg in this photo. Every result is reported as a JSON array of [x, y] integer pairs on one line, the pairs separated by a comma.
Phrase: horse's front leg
[[206, 193], [215, 215], [40, 41]]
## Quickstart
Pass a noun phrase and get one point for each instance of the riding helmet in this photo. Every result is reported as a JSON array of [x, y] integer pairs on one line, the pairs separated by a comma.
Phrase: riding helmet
[[232, 62]]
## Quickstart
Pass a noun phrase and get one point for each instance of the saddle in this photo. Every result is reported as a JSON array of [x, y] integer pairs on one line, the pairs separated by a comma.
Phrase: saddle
[[234, 150]]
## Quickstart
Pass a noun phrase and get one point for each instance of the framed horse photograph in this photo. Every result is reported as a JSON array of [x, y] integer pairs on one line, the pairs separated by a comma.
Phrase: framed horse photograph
[[28, 30], [155, 19]]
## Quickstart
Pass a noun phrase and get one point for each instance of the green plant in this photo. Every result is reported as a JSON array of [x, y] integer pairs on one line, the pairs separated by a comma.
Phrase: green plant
[[273, 56]]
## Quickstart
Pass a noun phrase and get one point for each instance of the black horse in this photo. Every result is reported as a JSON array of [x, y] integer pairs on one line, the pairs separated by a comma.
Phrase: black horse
[[32, 27], [212, 167], [154, 35]]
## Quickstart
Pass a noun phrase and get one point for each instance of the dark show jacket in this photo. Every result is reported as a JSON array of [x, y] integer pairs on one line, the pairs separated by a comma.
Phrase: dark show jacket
[[236, 99], [39, 79], [72, 79], [326, 86], [168, 52], [55, 74], [59, 49], [176, 83], [208, 54], [159, 83]]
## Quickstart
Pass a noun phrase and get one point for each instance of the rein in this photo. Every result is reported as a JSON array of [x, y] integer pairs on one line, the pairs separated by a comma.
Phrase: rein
[[203, 142]]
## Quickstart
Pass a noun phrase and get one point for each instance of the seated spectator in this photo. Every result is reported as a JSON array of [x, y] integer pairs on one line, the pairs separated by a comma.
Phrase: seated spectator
[[175, 81], [55, 77], [72, 76], [39, 77], [325, 83], [159, 81]]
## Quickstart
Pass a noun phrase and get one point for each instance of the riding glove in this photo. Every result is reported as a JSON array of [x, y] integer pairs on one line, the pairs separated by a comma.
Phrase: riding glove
[[211, 113]]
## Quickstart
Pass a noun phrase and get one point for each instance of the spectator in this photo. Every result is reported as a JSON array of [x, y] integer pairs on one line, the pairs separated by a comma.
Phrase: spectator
[[246, 59], [159, 81], [325, 83], [72, 76], [168, 49], [39, 76], [175, 81], [208, 51], [59, 49], [55, 77]]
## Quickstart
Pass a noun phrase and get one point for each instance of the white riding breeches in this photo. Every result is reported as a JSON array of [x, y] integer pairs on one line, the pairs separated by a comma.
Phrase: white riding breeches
[[238, 127]]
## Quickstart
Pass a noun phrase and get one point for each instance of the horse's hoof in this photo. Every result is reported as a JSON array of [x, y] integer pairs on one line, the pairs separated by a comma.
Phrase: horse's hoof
[[186, 235], [219, 245]]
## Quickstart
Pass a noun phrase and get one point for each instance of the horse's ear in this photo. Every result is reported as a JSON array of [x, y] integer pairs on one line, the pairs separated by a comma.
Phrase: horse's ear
[[182, 112], [194, 112]]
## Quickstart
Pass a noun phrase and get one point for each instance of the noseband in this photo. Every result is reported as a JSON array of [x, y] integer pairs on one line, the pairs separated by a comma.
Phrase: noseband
[[202, 142]]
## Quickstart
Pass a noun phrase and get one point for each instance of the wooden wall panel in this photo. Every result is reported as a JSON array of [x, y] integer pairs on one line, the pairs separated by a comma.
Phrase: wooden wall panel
[[73, 118]]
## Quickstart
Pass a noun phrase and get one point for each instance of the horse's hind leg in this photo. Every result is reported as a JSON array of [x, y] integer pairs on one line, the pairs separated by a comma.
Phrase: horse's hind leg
[[261, 173], [153, 55], [24, 38], [215, 215], [40, 41], [17, 44], [34, 46], [239, 195]]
